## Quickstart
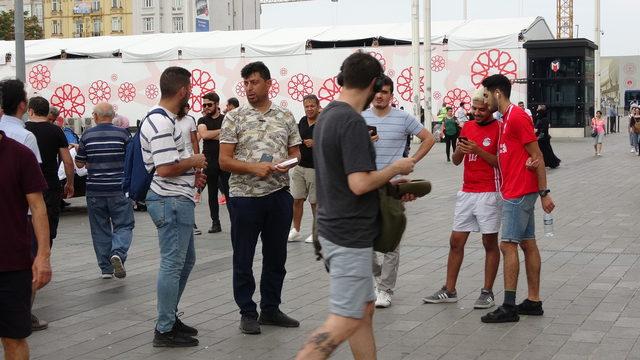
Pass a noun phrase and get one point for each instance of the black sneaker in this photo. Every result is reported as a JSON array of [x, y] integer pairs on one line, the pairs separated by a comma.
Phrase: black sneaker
[[249, 325], [502, 314], [528, 307], [173, 339], [278, 318], [183, 328], [215, 227]]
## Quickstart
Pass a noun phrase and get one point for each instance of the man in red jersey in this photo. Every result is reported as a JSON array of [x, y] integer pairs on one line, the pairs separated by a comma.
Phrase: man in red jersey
[[523, 179], [478, 204]]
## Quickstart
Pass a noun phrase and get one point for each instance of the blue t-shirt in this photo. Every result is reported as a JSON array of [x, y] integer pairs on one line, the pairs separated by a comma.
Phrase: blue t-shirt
[[393, 130], [102, 148]]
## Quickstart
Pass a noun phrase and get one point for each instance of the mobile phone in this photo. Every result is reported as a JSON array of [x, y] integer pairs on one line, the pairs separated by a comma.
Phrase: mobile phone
[[288, 163], [266, 158], [372, 130], [462, 138]]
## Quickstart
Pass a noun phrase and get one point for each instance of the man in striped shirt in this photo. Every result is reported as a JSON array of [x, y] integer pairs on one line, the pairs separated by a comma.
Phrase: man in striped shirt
[[170, 203], [101, 150], [392, 128]]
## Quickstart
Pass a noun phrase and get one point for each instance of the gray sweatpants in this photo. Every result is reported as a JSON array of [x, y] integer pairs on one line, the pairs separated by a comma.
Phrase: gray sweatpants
[[387, 271]]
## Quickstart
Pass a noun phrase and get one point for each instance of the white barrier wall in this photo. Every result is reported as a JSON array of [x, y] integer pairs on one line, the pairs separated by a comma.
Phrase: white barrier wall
[[76, 85]]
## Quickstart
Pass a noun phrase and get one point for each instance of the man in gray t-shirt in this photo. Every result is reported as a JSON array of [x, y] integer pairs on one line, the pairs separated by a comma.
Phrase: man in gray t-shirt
[[392, 128]]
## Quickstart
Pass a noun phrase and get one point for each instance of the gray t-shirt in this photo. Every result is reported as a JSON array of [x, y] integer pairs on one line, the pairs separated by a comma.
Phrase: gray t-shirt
[[342, 147]]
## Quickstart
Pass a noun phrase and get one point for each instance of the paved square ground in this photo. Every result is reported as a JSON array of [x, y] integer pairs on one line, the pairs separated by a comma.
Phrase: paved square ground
[[590, 281]]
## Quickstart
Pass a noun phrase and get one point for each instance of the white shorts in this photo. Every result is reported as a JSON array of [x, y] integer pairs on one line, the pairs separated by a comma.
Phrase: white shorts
[[477, 212]]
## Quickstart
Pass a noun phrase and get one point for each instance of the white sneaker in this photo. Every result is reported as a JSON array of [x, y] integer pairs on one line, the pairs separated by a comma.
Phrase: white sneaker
[[309, 239], [106, 276], [294, 235], [383, 299], [633, 150]]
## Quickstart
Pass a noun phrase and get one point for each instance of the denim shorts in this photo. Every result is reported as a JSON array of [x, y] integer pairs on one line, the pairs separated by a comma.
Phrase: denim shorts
[[518, 221]]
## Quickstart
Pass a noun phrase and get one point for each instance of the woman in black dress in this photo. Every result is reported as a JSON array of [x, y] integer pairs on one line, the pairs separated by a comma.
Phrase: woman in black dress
[[544, 139]]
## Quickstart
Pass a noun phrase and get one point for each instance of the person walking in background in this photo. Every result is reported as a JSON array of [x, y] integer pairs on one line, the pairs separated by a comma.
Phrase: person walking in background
[[634, 129], [461, 114], [598, 127], [612, 116], [303, 176], [521, 106], [232, 103], [450, 129], [209, 130], [544, 139], [102, 150]]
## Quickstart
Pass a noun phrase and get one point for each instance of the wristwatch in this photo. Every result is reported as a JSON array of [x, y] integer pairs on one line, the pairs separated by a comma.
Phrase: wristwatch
[[544, 192]]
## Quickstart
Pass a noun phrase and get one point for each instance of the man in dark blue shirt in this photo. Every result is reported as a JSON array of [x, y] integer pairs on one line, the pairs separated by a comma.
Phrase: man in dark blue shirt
[[102, 149]]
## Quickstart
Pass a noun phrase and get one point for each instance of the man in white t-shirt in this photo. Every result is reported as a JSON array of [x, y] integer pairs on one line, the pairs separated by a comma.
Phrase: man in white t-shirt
[[187, 125], [521, 105], [461, 114]]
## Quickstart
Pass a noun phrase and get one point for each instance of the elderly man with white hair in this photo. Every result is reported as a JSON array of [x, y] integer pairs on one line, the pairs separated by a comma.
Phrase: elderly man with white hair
[[102, 150]]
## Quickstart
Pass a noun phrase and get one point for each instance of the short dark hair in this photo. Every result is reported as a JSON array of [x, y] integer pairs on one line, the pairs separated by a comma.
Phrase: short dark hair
[[311, 97], [212, 97], [386, 81], [233, 101], [172, 80], [359, 69], [39, 105], [462, 104], [256, 67], [498, 82], [12, 95], [449, 108], [520, 102], [599, 112]]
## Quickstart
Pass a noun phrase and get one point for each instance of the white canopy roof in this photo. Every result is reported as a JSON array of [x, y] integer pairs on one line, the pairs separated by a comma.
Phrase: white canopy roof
[[461, 35]]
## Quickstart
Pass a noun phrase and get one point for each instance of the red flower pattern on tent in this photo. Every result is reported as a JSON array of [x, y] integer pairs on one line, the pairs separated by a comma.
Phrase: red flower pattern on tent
[[127, 92], [391, 73], [284, 104], [395, 102], [151, 91], [380, 58], [115, 107], [240, 89], [328, 91], [437, 95], [99, 91], [300, 86], [39, 77], [283, 71], [69, 99], [437, 63], [455, 96], [201, 83], [404, 84], [491, 62], [114, 77], [274, 90]]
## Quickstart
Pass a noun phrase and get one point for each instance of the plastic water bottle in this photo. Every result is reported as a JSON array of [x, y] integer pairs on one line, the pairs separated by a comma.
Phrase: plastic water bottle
[[548, 225]]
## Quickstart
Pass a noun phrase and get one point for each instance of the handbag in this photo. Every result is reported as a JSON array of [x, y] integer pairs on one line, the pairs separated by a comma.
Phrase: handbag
[[594, 133], [393, 222]]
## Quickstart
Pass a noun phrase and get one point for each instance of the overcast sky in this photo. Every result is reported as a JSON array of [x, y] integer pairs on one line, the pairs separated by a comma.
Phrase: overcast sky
[[617, 19]]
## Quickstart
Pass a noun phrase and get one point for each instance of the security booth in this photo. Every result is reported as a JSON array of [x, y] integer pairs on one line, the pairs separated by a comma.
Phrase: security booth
[[560, 75]]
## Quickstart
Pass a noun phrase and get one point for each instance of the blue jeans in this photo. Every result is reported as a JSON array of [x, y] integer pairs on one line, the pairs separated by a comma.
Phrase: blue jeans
[[518, 220], [111, 220], [174, 219]]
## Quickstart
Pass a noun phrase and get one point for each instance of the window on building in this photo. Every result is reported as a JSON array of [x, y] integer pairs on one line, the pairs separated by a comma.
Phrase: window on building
[[79, 28], [116, 3], [177, 4], [96, 5], [116, 24], [55, 5], [37, 10], [178, 24], [55, 27], [148, 3], [147, 24], [97, 27]]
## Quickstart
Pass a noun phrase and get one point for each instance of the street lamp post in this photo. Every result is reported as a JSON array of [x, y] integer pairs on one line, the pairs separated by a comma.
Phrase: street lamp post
[[19, 40], [415, 50], [427, 62]]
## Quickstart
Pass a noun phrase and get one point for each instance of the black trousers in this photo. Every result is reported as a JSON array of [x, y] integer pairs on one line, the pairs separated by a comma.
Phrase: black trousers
[[216, 179], [270, 218], [612, 124], [450, 141]]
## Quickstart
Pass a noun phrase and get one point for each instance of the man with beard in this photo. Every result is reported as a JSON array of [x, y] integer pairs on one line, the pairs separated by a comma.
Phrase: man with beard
[[254, 140], [170, 203], [303, 176], [348, 205], [524, 178], [209, 129], [392, 127]]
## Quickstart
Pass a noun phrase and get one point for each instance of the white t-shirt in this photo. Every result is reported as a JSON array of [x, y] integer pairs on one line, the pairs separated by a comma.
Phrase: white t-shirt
[[461, 115], [187, 125]]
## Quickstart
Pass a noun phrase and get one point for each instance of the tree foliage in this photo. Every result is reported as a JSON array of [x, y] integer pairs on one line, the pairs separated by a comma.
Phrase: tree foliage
[[32, 29]]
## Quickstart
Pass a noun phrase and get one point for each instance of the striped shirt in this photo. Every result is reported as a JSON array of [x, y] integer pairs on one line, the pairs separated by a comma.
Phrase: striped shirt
[[163, 144], [393, 130], [102, 148]]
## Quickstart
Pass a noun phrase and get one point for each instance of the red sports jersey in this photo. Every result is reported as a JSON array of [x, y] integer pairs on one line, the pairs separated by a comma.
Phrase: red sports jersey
[[517, 131], [479, 175]]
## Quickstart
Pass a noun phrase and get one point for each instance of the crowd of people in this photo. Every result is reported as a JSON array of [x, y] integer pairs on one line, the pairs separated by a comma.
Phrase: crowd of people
[[267, 165]]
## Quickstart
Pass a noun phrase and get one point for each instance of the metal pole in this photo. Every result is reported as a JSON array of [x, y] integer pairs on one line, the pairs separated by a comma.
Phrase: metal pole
[[427, 63], [19, 40], [596, 84], [465, 10], [415, 50]]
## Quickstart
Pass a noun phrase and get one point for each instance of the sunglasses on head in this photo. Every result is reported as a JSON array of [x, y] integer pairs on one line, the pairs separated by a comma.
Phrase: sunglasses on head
[[207, 104]]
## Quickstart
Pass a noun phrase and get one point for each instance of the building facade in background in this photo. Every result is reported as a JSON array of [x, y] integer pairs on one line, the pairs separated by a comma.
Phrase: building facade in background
[[86, 18], [31, 7], [176, 16]]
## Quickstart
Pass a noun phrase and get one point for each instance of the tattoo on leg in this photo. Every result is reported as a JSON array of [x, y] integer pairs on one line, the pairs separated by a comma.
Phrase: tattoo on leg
[[322, 343]]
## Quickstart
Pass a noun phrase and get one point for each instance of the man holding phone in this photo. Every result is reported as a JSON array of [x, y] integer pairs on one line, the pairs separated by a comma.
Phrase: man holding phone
[[389, 129], [477, 204], [256, 140]]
